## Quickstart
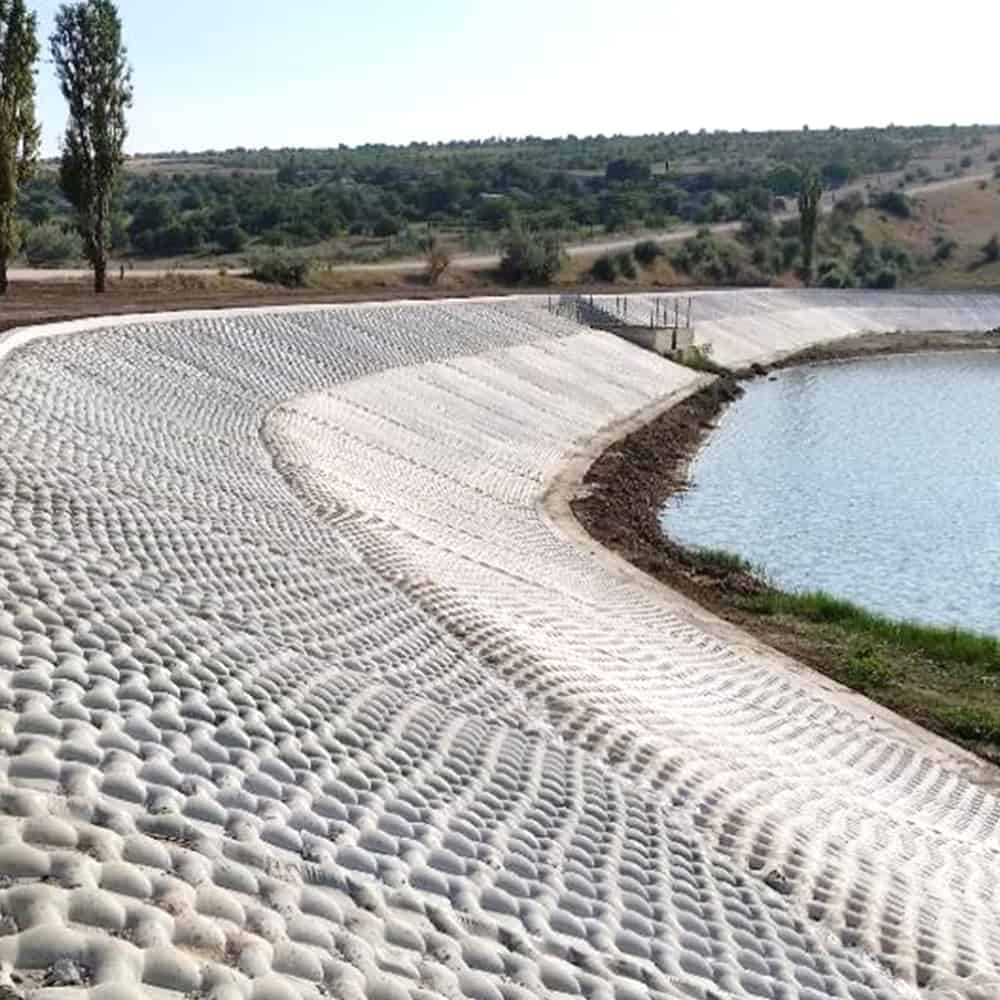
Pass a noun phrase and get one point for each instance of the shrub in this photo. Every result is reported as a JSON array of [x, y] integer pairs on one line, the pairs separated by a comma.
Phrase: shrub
[[647, 252], [708, 258], [991, 249], [49, 245], [789, 249], [530, 258], [893, 203], [994, 156], [849, 206], [836, 274], [231, 239], [896, 256], [603, 269], [790, 229], [965, 162], [972, 722], [757, 227], [886, 277], [386, 225], [866, 668], [281, 267], [944, 249], [438, 261], [627, 169], [625, 264]]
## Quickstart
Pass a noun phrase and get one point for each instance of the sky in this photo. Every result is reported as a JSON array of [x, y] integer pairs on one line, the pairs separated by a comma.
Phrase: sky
[[215, 74]]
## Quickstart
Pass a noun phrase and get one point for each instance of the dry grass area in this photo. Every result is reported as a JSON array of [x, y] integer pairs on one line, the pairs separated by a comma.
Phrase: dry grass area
[[968, 214]]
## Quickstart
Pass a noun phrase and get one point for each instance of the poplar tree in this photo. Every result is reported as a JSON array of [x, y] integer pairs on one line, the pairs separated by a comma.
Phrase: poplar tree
[[810, 195], [96, 80], [19, 133]]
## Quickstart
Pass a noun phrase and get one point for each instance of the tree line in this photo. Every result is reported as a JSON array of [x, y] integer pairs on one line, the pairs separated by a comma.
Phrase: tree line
[[94, 76]]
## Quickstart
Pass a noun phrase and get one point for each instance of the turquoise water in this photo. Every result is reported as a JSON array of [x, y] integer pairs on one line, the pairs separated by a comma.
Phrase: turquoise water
[[877, 480]]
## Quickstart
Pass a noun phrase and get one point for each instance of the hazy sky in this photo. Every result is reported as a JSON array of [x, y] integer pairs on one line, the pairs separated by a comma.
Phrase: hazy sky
[[222, 73]]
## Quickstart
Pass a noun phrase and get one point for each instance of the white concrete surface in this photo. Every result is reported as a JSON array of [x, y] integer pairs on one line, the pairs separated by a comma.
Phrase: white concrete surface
[[305, 692]]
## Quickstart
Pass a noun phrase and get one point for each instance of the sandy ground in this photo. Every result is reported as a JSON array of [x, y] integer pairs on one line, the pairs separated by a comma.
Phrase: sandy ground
[[304, 691]]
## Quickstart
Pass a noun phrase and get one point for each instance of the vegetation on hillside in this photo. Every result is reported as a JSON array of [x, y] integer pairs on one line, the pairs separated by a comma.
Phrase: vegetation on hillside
[[376, 202]]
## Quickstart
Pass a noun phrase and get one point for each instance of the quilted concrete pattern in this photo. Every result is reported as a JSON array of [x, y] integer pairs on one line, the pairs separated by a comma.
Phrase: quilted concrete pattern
[[304, 693]]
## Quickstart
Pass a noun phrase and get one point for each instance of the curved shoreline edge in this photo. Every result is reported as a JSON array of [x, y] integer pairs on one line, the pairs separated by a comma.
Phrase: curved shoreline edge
[[662, 442]]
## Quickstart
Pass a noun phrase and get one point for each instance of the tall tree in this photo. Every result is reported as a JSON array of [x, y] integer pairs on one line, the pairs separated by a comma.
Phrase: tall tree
[[810, 195], [19, 133], [96, 80]]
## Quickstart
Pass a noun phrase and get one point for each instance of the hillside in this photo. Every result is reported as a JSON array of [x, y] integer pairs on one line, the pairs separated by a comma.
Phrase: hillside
[[380, 203], [966, 217]]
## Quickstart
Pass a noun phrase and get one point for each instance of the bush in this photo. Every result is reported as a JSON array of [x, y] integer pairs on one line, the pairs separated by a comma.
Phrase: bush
[[848, 206], [438, 261], [647, 252], [529, 258], [893, 203], [281, 267], [386, 225], [965, 162], [790, 229], [49, 245], [757, 227], [944, 249], [627, 169], [707, 258], [886, 277], [625, 264], [835, 274], [603, 269], [790, 248], [991, 249], [994, 156], [866, 668], [231, 239]]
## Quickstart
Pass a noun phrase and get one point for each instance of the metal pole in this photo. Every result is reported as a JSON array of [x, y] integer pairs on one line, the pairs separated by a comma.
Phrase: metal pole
[[689, 313]]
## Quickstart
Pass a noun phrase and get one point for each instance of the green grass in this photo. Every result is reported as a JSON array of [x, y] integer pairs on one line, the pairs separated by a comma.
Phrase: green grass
[[719, 559], [867, 669], [698, 359], [944, 644]]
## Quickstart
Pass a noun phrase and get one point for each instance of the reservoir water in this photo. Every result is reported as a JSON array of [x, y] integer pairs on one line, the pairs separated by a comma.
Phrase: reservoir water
[[877, 480]]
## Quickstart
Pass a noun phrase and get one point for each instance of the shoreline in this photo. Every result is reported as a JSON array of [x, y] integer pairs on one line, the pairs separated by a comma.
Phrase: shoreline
[[923, 674]]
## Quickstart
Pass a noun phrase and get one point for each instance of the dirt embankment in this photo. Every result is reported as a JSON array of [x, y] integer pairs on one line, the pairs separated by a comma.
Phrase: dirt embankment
[[926, 678], [626, 487]]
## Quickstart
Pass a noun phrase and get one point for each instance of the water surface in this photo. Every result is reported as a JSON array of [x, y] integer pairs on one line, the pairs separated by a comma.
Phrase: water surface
[[877, 480]]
